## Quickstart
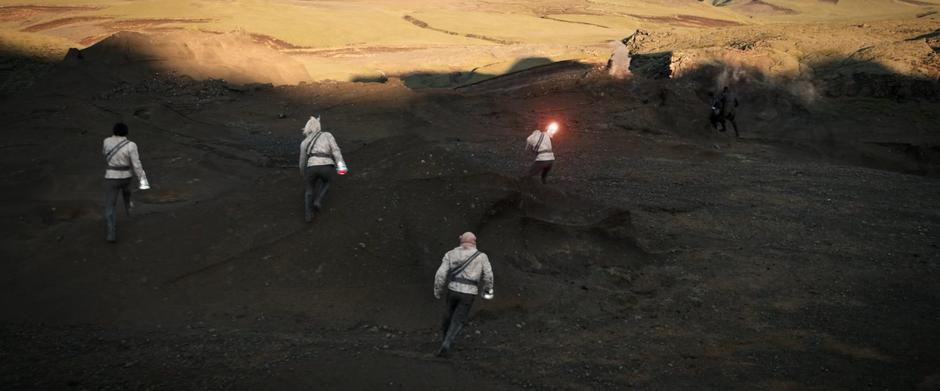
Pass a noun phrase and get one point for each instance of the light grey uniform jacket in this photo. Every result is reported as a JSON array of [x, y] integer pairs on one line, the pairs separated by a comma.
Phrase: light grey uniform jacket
[[544, 150], [125, 157], [478, 270], [324, 153]]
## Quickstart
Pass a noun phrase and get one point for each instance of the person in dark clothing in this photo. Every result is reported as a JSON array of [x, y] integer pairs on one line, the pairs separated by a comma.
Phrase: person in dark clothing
[[729, 104], [714, 113], [724, 108]]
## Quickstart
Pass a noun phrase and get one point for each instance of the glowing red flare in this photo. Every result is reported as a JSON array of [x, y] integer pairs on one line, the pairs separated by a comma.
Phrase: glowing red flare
[[552, 127]]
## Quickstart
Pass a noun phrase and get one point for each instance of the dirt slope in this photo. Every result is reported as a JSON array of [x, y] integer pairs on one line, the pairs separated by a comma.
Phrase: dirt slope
[[662, 255]]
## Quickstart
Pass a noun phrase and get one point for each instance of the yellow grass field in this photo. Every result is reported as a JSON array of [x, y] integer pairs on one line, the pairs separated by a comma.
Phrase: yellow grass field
[[346, 40]]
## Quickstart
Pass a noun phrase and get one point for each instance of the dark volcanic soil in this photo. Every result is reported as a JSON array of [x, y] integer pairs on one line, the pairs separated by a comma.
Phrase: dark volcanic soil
[[661, 255]]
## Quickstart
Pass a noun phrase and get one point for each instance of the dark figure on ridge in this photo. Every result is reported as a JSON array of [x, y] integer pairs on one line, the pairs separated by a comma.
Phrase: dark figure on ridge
[[723, 108]]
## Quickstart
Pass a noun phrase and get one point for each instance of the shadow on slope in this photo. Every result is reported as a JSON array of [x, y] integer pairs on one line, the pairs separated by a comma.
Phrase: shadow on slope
[[456, 79], [19, 72]]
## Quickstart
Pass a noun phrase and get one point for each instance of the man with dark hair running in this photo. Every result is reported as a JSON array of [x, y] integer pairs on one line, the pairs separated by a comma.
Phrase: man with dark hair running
[[121, 158]]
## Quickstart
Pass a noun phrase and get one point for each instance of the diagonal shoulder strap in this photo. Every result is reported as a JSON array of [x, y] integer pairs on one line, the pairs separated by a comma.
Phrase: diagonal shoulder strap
[[538, 145], [466, 263], [114, 150], [311, 145]]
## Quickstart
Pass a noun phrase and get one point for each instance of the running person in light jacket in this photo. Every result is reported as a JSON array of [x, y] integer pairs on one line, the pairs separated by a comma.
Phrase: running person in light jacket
[[123, 161], [319, 156], [463, 270], [540, 143]]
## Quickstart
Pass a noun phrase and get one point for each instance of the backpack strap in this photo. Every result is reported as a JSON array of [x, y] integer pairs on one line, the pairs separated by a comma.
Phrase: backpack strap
[[538, 145], [454, 273], [310, 146], [114, 150]]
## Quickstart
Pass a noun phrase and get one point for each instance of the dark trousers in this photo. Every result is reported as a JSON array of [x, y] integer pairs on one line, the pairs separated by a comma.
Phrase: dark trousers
[[456, 313], [720, 119], [113, 187], [540, 168], [317, 181]]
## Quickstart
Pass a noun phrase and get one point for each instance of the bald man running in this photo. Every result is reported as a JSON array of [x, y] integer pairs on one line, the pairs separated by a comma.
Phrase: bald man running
[[463, 270]]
